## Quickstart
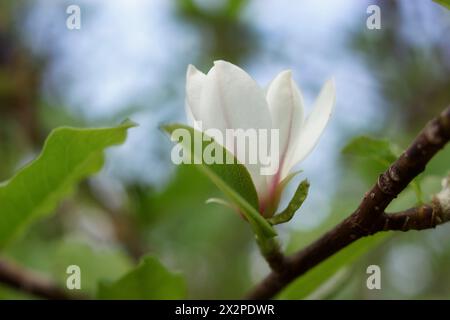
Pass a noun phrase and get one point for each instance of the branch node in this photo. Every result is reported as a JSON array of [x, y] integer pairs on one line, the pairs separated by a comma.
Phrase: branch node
[[431, 133], [394, 174], [385, 185]]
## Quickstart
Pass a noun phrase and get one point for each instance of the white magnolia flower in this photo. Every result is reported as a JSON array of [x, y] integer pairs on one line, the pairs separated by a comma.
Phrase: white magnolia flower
[[228, 98]]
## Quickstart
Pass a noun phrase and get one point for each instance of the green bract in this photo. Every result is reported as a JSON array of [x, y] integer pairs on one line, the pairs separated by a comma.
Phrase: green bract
[[233, 179]]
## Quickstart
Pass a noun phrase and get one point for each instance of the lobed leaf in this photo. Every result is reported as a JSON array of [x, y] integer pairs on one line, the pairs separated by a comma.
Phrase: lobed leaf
[[69, 155]]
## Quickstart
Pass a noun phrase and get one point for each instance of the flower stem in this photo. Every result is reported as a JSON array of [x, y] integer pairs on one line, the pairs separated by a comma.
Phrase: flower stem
[[271, 251]]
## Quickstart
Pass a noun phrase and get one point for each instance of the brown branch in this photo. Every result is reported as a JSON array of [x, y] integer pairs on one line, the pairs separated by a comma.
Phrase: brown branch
[[419, 218], [426, 216], [369, 217], [271, 251], [31, 282]]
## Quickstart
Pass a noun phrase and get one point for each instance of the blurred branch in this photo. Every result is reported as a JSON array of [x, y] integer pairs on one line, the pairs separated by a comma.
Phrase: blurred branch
[[30, 282], [370, 217]]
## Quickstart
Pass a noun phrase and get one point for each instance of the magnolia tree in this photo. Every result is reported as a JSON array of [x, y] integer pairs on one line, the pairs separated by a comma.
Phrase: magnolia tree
[[248, 140]]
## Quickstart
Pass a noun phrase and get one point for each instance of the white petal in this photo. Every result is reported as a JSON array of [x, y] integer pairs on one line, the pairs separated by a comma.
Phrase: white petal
[[231, 99], [194, 84], [190, 117], [315, 123], [286, 107]]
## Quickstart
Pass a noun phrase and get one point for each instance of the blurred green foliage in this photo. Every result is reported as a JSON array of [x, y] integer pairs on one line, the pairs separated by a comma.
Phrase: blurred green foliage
[[445, 3], [148, 281]]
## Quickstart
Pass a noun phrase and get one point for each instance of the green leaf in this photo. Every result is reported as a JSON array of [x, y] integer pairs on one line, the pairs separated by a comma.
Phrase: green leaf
[[408, 198], [379, 150], [296, 202], [383, 152], [444, 3], [233, 179], [305, 285], [69, 155], [148, 281]]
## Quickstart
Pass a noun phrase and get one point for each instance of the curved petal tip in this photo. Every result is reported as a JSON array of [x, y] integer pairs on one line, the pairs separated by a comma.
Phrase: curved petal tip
[[192, 71]]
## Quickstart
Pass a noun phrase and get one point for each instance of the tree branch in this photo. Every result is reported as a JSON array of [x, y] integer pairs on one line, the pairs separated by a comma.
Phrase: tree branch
[[419, 218], [30, 282], [369, 217]]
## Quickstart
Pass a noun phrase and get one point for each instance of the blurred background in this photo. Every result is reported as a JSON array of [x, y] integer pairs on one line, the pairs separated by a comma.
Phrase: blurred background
[[129, 60]]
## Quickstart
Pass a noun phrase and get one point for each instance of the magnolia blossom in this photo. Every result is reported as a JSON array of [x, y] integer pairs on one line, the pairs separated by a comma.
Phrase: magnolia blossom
[[228, 98]]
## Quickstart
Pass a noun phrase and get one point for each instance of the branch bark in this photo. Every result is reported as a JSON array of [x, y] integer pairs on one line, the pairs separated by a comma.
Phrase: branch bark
[[370, 217], [419, 218], [30, 282]]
